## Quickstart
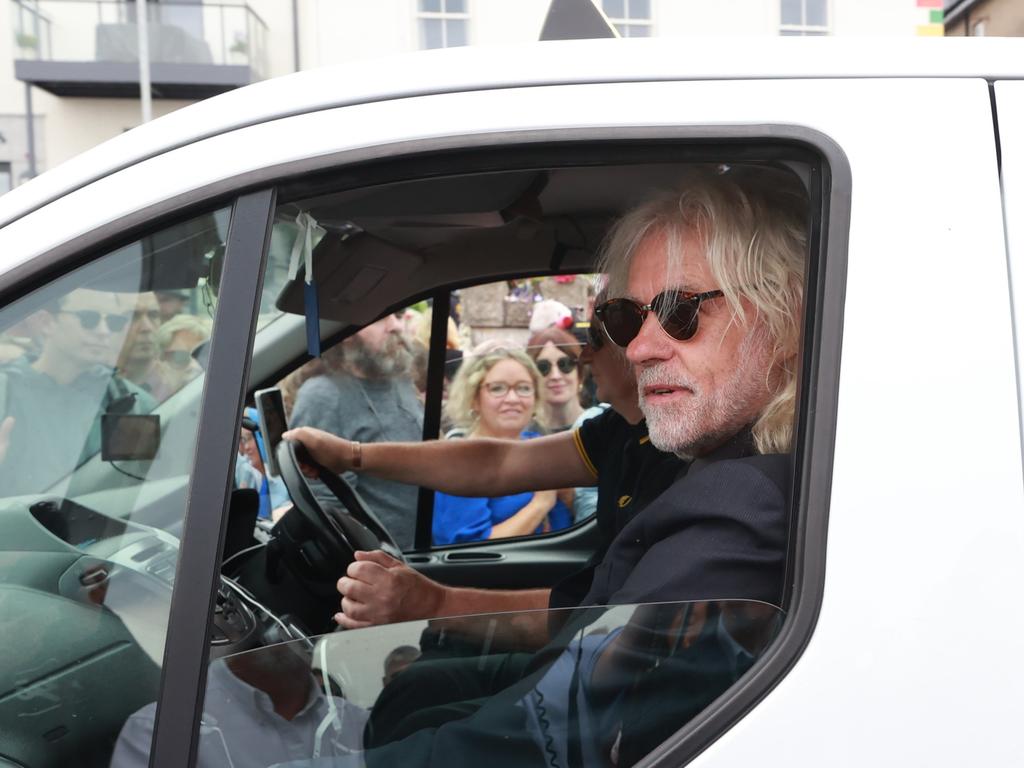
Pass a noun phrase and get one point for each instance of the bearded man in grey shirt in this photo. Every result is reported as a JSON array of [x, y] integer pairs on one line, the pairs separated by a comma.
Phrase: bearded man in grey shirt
[[367, 395]]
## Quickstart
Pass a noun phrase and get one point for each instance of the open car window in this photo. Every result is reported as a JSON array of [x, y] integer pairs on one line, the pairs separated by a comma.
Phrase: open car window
[[508, 260], [446, 271], [608, 686]]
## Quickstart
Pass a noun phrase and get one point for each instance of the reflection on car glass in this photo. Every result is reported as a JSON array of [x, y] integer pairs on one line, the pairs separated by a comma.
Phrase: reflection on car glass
[[612, 685], [99, 398], [53, 404]]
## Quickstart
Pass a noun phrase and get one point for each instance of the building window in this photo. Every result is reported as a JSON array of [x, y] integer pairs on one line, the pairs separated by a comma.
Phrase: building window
[[978, 28], [443, 23], [5, 178], [804, 17], [631, 17]]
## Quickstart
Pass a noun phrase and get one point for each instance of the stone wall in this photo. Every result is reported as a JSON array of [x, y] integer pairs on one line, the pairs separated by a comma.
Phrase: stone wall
[[491, 311]]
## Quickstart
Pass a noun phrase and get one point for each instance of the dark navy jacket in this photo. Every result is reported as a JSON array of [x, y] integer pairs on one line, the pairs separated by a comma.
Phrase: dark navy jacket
[[717, 533]]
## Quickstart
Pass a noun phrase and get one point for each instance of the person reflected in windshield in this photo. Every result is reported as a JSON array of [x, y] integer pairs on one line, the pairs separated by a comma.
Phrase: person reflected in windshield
[[52, 405], [367, 395], [139, 359], [23, 339], [397, 660], [172, 304], [603, 694], [177, 339], [260, 708]]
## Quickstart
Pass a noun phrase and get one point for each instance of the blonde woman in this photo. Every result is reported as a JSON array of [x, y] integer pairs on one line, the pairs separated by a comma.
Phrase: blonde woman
[[494, 395]]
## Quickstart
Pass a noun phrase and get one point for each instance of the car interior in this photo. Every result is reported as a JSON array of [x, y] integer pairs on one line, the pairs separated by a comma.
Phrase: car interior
[[389, 234]]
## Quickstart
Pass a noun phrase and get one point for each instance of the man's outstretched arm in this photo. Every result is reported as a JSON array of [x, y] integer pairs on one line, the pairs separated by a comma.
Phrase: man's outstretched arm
[[465, 467]]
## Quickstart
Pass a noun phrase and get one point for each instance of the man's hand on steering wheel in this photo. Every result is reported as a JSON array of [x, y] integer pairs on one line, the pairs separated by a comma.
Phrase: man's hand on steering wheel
[[330, 451], [338, 529]]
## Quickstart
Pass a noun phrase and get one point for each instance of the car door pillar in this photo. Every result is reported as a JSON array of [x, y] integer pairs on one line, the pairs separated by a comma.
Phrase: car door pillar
[[183, 683]]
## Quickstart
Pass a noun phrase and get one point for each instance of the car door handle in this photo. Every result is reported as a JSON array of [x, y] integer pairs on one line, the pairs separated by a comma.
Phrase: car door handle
[[473, 557]]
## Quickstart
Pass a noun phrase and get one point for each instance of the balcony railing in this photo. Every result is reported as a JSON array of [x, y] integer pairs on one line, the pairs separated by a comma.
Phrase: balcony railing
[[210, 33]]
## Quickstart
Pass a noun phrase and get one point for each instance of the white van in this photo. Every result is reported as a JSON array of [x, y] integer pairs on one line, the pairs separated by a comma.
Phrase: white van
[[146, 622]]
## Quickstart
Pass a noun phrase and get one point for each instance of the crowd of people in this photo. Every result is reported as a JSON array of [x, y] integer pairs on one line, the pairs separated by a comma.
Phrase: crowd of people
[[147, 338], [371, 388]]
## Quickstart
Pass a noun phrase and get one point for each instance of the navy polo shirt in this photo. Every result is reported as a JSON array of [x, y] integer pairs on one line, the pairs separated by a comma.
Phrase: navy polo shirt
[[630, 473]]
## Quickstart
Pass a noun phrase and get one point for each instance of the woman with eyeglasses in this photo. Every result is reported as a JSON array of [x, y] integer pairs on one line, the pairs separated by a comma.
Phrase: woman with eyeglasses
[[556, 353], [494, 395]]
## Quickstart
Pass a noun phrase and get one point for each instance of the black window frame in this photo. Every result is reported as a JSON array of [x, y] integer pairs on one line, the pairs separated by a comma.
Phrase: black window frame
[[187, 649]]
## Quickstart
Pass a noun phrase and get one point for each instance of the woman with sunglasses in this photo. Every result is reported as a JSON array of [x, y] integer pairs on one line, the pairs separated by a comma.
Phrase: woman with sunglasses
[[494, 395], [177, 338], [557, 355]]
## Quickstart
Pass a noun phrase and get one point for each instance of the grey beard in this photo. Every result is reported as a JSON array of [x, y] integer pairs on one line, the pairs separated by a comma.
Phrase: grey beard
[[393, 360], [709, 418]]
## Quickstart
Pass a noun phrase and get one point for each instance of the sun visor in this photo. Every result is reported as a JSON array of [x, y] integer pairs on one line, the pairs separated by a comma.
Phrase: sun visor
[[355, 276], [173, 259]]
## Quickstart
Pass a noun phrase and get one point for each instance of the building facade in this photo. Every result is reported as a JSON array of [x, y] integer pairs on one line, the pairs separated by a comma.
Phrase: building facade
[[978, 18], [70, 76]]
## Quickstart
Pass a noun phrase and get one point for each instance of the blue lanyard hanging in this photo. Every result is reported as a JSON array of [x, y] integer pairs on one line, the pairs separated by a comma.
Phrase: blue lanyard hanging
[[265, 507]]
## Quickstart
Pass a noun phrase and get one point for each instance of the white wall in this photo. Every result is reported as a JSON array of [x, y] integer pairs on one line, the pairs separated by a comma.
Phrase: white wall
[[277, 14], [876, 17], [506, 22], [13, 127], [732, 18], [736, 18], [334, 31], [74, 125], [12, 92]]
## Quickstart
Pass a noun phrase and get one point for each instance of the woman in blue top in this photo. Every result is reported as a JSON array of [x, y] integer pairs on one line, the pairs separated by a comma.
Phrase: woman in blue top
[[494, 395]]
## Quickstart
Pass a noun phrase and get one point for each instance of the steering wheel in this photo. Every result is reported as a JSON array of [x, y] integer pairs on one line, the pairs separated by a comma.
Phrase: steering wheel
[[340, 531]]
